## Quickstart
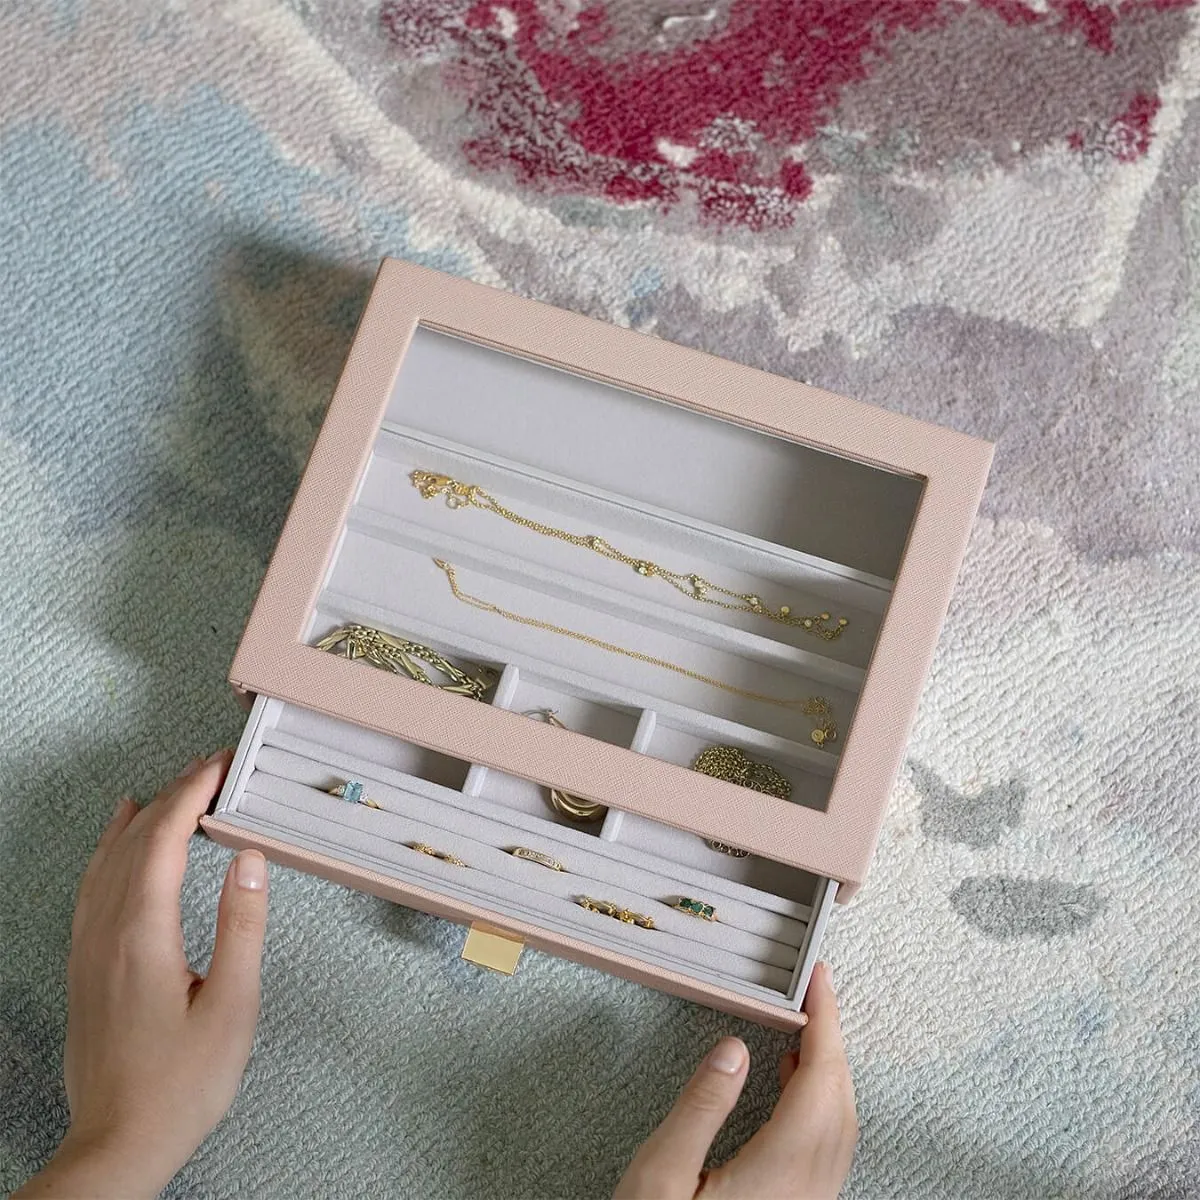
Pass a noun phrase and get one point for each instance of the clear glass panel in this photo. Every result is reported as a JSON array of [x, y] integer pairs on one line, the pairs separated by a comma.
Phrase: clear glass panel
[[635, 554]]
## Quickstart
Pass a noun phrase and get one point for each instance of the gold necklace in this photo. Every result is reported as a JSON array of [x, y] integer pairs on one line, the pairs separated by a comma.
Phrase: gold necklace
[[810, 706], [695, 587]]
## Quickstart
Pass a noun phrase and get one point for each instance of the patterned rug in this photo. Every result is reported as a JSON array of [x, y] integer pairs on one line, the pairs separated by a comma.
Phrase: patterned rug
[[986, 214]]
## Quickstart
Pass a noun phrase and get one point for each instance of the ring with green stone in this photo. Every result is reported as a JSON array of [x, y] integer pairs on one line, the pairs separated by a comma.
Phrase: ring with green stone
[[696, 908]]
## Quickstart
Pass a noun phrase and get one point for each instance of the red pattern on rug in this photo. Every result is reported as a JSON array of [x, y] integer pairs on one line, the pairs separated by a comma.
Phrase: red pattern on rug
[[724, 117]]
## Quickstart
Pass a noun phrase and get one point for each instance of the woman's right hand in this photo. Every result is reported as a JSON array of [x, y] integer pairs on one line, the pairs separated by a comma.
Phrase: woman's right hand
[[803, 1152]]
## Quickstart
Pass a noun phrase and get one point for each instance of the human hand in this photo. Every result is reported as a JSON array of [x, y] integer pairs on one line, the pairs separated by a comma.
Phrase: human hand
[[803, 1152], [154, 1052]]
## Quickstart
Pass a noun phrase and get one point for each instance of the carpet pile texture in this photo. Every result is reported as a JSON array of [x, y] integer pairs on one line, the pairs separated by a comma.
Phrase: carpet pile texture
[[985, 214]]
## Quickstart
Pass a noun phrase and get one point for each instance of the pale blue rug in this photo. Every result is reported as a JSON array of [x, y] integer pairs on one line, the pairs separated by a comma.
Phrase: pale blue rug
[[986, 214]]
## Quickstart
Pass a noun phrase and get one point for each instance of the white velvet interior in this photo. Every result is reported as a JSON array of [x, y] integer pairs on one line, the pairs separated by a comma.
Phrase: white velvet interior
[[290, 756], [654, 453]]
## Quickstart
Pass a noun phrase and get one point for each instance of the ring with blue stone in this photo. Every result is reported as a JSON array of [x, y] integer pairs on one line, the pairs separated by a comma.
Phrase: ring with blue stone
[[353, 792]]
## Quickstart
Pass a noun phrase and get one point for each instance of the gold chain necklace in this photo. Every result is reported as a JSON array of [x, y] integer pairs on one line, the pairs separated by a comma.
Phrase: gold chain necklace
[[810, 706], [695, 587]]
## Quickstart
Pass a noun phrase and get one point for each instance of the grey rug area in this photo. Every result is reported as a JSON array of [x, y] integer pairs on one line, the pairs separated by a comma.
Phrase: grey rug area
[[984, 214]]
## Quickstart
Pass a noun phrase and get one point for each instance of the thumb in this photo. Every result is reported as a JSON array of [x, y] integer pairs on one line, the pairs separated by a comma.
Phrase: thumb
[[234, 976], [670, 1162]]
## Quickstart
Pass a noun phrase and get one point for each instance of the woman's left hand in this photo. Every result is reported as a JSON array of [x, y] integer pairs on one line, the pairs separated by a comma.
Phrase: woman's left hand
[[154, 1052]]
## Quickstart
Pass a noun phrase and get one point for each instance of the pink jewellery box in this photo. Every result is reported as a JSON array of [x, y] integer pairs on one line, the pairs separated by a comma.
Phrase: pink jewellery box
[[552, 595]]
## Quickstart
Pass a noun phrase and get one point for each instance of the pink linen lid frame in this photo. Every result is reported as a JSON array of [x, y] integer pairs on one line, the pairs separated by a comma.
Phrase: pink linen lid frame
[[273, 659]]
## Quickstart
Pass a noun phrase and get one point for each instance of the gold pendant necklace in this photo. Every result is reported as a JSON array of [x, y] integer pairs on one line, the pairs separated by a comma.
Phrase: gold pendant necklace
[[810, 706], [695, 587]]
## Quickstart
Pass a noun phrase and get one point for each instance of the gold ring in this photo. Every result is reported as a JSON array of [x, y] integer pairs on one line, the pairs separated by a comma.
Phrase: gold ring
[[617, 911], [352, 790], [422, 848], [695, 908], [536, 856]]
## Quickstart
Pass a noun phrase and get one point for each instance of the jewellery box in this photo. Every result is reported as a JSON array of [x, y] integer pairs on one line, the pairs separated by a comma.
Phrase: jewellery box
[[652, 625]]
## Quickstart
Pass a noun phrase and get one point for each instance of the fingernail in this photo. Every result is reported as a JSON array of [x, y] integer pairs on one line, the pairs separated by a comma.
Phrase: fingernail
[[828, 972], [250, 871], [191, 768], [120, 804], [728, 1056], [212, 758]]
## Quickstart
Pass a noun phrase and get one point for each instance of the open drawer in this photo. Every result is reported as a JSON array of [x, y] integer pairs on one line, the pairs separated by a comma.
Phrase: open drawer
[[754, 958]]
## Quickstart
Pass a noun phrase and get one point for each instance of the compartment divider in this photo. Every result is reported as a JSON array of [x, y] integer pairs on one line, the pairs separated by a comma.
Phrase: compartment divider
[[610, 831], [823, 900], [501, 698]]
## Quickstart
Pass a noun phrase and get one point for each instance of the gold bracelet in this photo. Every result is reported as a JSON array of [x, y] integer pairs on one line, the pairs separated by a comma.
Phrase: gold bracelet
[[736, 766], [810, 706], [695, 587], [401, 656]]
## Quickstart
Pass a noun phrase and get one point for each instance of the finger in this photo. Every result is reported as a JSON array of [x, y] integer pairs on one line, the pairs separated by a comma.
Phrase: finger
[[673, 1156], [821, 1059], [821, 1040], [192, 794], [122, 814], [183, 801], [165, 824], [232, 986]]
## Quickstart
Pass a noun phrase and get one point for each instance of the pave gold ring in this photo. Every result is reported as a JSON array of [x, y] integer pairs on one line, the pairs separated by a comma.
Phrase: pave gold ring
[[695, 908], [422, 848], [353, 792], [536, 856], [725, 848]]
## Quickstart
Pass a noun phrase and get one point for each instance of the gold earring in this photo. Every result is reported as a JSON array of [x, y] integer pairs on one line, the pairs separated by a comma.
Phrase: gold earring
[[574, 808]]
